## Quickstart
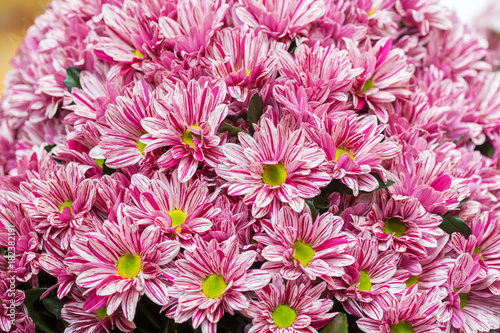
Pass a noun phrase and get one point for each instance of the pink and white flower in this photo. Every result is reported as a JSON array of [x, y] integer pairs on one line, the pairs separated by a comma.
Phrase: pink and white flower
[[354, 148], [294, 245], [291, 306], [211, 280], [276, 165], [119, 264], [187, 122]]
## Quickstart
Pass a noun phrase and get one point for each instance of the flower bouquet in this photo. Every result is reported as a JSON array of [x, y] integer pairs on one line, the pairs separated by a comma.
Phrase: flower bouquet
[[250, 166]]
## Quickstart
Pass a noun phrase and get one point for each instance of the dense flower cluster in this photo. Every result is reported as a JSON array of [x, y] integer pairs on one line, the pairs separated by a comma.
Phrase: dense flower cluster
[[265, 162]]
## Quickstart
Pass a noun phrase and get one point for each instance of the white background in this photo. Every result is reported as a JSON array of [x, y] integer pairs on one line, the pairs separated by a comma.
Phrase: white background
[[467, 10]]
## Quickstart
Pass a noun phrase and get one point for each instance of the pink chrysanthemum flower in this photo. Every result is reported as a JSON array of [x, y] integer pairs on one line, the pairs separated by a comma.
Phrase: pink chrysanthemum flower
[[279, 18], [187, 122], [244, 60], [469, 306], [13, 314], [483, 243], [130, 35], [212, 280], [62, 199], [324, 75], [366, 283], [294, 306], [424, 14], [119, 264], [429, 176], [386, 77], [193, 28], [403, 225], [354, 148], [16, 226], [413, 312], [180, 209], [275, 165], [294, 245], [120, 144], [83, 321]]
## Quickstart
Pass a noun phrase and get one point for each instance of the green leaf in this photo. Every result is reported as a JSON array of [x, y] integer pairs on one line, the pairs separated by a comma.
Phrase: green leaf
[[381, 184], [486, 149], [463, 202], [337, 325], [292, 47], [453, 224], [321, 202], [314, 210], [48, 148], [255, 111], [54, 305], [72, 78], [231, 129], [32, 297]]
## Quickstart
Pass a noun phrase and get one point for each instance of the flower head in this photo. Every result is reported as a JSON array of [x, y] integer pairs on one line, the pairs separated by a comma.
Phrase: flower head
[[294, 306], [294, 245], [275, 165]]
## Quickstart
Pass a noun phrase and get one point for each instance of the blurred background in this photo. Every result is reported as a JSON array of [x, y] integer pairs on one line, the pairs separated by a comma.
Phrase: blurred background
[[17, 15]]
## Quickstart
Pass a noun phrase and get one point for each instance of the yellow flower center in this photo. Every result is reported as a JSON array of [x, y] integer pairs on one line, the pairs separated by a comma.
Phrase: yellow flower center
[[394, 226], [129, 266], [138, 54], [248, 72], [412, 280], [66, 204], [141, 146], [463, 300], [341, 151], [213, 286], [402, 327], [369, 84], [371, 12], [284, 316], [101, 313], [274, 174], [303, 252], [478, 250], [364, 283], [100, 162], [178, 218], [187, 137]]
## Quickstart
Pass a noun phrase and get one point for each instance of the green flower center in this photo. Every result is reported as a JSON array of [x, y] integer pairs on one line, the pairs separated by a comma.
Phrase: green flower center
[[141, 146], [213, 286], [274, 174], [101, 313], [369, 84], [364, 283], [129, 266], [66, 204], [178, 218], [463, 300], [412, 280], [187, 137], [402, 327], [284, 316], [341, 151], [478, 250], [394, 226], [100, 162], [138, 54], [303, 252]]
